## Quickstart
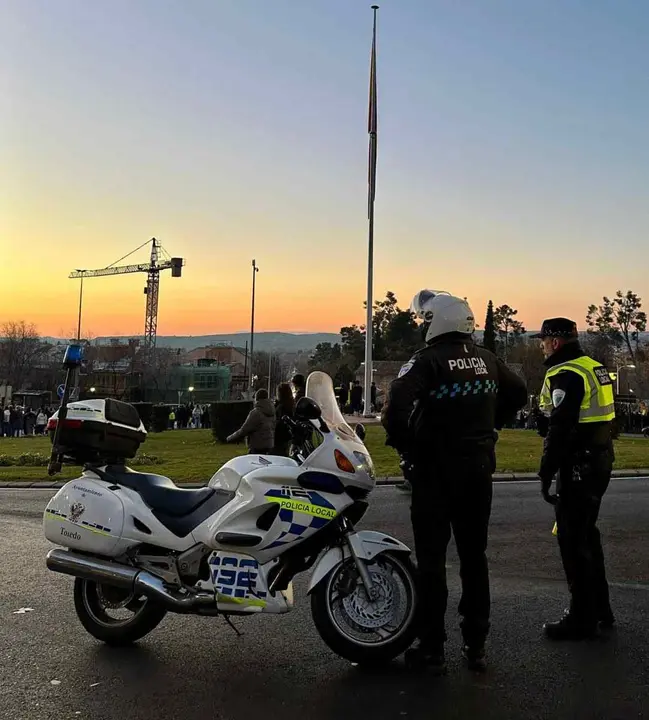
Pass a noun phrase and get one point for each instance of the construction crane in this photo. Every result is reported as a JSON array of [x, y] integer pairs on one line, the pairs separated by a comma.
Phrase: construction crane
[[158, 261]]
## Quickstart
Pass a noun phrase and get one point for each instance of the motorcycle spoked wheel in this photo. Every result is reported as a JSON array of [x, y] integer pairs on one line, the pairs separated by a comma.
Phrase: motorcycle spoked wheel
[[113, 615], [361, 630]]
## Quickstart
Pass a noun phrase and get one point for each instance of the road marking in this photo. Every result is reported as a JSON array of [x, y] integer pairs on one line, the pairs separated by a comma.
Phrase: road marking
[[630, 586], [523, 482], [535, 482]]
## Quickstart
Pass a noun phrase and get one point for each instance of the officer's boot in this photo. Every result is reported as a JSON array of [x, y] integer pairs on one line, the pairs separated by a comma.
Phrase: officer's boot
[[427, 657], [475, 657], [570, 628], [606, 619]]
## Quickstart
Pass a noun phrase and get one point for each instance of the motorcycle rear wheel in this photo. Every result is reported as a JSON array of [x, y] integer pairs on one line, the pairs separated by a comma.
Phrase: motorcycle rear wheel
[[363, 631], [92, 601]]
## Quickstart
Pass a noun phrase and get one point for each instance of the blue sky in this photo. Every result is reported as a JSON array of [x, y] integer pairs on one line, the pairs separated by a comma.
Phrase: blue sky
[[512, 162]]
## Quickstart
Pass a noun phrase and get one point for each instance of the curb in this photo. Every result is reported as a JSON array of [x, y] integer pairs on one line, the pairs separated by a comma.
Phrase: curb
[[382, 481]]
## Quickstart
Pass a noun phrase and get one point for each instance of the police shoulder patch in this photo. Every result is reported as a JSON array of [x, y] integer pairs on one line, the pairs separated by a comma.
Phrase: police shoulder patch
[[406, 368], [558, 397], [602, 375]]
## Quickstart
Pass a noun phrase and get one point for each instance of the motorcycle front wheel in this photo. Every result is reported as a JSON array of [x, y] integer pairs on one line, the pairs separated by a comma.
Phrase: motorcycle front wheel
[[364, 630]]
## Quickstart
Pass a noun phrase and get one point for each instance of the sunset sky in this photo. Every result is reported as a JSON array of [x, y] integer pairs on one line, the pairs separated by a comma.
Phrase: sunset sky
[[513, 159]]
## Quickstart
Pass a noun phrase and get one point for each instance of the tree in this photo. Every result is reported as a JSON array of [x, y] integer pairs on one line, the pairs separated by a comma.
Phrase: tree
[[327, 358], [402, 337], [158, 375], [528, 354], [395, 333], [21, 350], [332, 360], [263, 363], [619, 321], [353, 342], [489, 337], [509, 330]]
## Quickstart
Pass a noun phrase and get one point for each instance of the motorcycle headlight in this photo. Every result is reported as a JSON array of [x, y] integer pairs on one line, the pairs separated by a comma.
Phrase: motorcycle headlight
[[365, 463]]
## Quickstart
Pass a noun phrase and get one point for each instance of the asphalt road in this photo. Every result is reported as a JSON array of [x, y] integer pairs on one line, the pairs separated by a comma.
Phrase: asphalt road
[[198, 668]]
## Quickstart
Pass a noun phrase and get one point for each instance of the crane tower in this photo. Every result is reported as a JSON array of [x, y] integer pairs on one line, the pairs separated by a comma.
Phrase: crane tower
[[159, 260]]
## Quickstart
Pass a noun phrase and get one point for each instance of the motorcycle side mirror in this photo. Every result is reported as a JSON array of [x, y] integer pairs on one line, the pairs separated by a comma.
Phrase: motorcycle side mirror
[[360, 431], [307, 409]]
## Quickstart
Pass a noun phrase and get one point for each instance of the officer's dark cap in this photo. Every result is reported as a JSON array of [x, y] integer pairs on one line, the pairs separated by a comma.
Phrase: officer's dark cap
[[558, 328]]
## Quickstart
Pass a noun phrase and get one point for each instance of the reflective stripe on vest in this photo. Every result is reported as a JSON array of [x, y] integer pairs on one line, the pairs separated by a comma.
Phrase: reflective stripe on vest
[[598, 404]]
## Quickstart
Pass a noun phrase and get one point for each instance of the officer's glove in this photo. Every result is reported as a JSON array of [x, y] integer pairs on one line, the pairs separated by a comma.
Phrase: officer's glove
[[406, 466], [542, 422], [545, 491]]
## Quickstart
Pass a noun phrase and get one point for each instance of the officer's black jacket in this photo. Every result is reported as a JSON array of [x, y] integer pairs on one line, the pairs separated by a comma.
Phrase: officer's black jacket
[[449, 398], [565, 439]]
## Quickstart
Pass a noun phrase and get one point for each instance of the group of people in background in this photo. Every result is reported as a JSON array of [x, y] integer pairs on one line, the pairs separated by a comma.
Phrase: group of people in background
[[351, 399], [16, 421], [190, 416]]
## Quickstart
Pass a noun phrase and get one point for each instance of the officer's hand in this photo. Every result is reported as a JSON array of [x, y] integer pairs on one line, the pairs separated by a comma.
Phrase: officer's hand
[[406, 466], [545, 492]]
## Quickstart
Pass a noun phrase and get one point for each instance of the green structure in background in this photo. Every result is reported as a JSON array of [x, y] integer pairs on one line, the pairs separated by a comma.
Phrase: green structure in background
[[201, 384]]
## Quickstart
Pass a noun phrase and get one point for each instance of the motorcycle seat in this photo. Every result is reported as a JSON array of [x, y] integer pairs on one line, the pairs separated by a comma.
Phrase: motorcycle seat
[[180, 510], [159, 492]]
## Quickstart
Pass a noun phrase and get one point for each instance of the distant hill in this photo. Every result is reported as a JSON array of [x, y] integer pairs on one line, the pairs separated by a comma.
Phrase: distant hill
[[276, 341]]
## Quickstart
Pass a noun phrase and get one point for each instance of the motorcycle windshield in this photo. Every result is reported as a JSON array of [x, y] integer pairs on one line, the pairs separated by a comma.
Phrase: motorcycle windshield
[[319, 387]]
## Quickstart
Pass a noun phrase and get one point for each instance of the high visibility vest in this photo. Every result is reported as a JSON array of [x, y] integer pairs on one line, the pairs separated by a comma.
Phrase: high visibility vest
[[598, 404]]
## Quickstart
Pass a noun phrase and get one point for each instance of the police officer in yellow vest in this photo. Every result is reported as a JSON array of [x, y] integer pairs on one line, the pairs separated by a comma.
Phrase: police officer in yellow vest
[[576, 413]]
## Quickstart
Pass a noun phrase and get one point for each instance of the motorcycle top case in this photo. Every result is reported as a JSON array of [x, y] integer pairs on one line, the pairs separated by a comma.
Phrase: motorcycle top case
[[85, 514], [96, 430]]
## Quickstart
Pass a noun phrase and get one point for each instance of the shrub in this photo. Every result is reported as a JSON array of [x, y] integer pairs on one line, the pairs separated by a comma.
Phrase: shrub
[[24, 460], [32, 460], [228, 416], [145, 411], [144, 459], [160, 419]]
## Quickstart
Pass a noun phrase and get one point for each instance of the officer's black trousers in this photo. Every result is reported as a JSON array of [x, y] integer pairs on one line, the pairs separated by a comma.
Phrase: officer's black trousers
[[581, 549], [456, 498]]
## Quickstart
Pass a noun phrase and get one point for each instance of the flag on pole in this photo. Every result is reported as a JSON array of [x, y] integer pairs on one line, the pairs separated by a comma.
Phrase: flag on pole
[[372, 122]]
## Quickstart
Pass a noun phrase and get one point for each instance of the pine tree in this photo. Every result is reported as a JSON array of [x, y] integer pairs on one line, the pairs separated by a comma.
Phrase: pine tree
[[489, 337]]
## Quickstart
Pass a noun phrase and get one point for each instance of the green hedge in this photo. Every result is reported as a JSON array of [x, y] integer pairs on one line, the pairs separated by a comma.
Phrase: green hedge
[[160, 418], [40, 460], [228, 416], [145, 411]]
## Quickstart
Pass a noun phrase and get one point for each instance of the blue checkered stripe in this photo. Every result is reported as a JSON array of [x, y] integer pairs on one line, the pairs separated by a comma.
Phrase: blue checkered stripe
[[297, 524], [475, 387]]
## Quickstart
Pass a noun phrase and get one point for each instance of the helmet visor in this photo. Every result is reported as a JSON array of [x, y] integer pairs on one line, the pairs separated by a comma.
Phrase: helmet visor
[[420, 303]]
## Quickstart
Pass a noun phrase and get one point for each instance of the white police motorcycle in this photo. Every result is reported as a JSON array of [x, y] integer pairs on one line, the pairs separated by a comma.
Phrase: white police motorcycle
[[139, 546]]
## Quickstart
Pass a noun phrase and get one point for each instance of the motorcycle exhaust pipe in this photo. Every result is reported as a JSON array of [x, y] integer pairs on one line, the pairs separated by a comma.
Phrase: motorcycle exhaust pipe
[[122, 576]]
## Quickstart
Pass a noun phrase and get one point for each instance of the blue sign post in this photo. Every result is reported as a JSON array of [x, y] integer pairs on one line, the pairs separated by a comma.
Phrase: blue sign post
[[59, 391]]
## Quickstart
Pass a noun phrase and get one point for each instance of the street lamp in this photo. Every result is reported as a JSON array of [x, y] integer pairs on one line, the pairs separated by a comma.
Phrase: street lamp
[[255, 270], [80, 305], [617, 373], [92, 389]]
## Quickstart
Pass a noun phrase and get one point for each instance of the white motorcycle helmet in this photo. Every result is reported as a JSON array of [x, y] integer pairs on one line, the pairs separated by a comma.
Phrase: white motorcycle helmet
[[444, 313]]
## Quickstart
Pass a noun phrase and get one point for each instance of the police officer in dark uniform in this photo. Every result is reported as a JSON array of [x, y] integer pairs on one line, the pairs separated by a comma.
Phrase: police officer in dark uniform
[[576, 412], [441, 415]]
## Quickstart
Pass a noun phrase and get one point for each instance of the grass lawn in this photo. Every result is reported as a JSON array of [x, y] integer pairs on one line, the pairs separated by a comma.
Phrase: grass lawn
[[192, 455]]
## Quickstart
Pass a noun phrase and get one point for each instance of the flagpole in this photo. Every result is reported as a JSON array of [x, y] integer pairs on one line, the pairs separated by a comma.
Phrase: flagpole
[[372, 128]]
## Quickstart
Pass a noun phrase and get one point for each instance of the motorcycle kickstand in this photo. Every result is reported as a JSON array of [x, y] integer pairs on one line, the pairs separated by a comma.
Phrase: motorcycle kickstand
[[229, 622]]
